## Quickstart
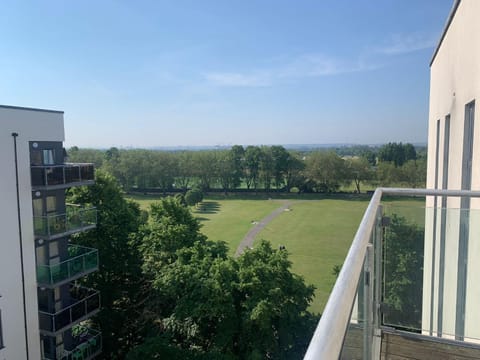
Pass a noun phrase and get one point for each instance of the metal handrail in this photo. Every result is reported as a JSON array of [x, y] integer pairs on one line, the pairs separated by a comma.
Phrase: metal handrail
[[329, 335], [61, 175], [84, 301], [62, 165]]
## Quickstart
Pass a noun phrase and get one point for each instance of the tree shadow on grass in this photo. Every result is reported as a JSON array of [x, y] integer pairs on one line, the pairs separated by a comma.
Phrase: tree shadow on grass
[[199, 218], [208, 207]]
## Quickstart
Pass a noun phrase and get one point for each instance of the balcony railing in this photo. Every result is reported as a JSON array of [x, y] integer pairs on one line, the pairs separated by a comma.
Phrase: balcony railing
[[87, 344], [76, 219], [81, 261], [83, 304], [406, 272], [61, 176]]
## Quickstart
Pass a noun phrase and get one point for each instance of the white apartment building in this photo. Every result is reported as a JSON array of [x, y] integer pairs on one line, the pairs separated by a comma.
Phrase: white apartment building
[[42, 311], [452, 240]]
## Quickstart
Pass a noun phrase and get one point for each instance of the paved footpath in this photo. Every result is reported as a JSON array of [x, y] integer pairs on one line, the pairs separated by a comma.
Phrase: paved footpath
[[250, 237]]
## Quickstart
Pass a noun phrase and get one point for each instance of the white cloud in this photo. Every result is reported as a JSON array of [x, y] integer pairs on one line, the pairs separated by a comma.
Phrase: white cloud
[[407, 43], [238, 79], [304, 66]]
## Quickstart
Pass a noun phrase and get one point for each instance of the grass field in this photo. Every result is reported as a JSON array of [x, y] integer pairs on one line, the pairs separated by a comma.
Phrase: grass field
[[230, 220], [317, 233]]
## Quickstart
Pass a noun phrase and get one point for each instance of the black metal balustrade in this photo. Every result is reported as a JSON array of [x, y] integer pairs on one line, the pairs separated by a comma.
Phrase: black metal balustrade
[[82, 304], [61, 176]]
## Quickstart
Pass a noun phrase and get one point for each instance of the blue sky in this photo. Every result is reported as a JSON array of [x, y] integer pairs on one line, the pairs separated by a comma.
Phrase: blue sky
[[165, 73]]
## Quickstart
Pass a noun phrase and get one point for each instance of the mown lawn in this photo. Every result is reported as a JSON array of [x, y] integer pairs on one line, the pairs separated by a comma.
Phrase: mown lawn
[[316, 233], [230, 220]]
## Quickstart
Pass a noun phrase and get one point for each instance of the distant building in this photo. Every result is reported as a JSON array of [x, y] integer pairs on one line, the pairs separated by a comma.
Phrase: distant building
[[452, 245], [41, 309]]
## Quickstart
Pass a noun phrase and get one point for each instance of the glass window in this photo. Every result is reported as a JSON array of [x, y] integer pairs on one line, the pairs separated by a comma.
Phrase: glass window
[[37, 207], [48, 158], [51, 204], [1, 331], [35, 157]]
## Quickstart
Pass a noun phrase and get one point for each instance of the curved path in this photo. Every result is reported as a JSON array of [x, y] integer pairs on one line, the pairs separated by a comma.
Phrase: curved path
[[250, 237]]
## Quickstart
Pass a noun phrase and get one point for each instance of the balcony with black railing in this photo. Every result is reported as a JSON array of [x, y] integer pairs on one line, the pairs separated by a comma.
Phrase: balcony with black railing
[[80, 262], [82, 304], [86, 345], [50, 177], [76, 219]]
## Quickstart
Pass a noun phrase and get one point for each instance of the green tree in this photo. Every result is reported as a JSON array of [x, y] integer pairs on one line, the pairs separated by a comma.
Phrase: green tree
[[193, 197], [326, 170], [252, 166], [119, 279], [273, 302], [413, 173], [358, 170], [293, 171], [397, 153], [210, 304], [280, 159], [403, 264], [266, 167], [237, 156]]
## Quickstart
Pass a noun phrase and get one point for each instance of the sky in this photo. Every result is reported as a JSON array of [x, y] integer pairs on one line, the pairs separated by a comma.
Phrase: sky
[[188, 73]]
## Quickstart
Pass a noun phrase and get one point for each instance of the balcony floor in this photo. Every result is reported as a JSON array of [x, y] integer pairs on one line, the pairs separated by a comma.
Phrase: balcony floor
[[400, 345]]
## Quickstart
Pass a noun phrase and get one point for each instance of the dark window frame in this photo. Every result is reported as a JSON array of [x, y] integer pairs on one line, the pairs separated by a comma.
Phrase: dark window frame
[[2, 345]]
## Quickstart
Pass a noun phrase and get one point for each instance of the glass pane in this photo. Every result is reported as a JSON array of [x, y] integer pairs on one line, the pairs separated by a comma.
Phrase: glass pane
[[353, 345], [48, 158]]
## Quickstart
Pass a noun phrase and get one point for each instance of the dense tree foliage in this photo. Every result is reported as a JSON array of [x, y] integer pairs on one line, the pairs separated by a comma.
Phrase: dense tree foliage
[[120, 278], [193, 196], [403, 248], [205, 302], [260, 168], [397, 153], [169, 292]]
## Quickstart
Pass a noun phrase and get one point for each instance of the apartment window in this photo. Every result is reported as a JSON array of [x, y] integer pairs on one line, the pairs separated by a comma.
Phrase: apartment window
[[468, 146], [464, 219], [48, 157], [446, 152], [443, 225], [1, 331], [35, 157], [51, 204]]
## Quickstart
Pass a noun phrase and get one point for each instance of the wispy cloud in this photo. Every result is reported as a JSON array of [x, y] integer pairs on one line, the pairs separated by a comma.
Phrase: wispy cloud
[[238, 79], [303, 66], [407, 43]]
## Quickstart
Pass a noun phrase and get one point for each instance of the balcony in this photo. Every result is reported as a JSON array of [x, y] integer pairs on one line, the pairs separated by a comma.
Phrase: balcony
[[81, 261], [408, 287], [76, 219], [82, 304], [87, 344], [51, 177]]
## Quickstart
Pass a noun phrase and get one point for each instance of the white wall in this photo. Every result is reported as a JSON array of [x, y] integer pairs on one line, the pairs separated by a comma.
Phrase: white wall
[[30, 126], [455, 82]]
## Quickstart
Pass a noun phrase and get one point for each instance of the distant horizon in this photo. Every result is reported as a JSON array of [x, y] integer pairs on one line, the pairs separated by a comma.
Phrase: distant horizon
[[214, 147]]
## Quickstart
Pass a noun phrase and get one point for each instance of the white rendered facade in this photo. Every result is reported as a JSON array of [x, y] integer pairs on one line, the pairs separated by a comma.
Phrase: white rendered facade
[[452, 241], [42, 308], [30, 125]]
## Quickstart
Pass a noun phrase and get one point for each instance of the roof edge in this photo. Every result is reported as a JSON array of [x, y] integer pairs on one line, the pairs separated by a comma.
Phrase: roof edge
[[30, 109], [445, 29]]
